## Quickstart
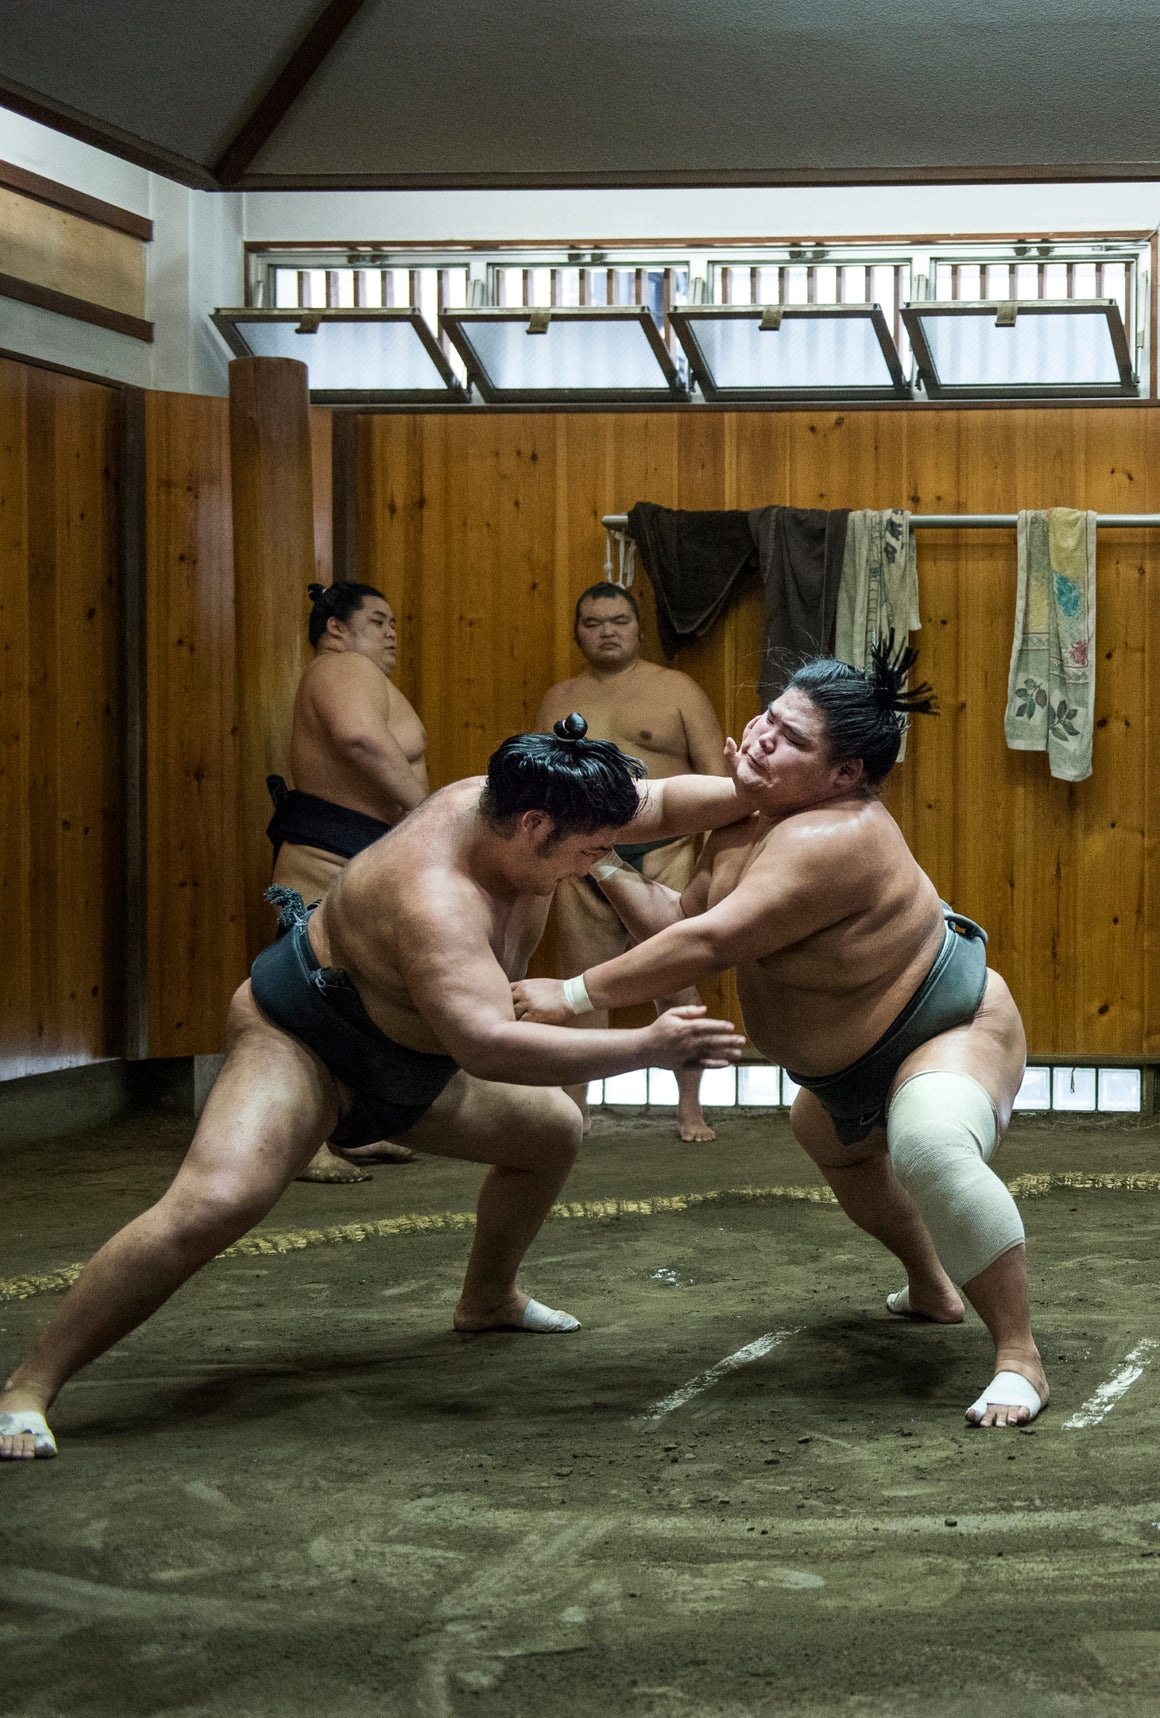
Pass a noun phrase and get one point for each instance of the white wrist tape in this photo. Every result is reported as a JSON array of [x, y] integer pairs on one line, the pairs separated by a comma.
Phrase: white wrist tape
[[604, 868], [577, 997]]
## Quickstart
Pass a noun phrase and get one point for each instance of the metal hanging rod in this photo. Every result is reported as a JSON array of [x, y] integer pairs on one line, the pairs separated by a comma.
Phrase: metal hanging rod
[[967, 521]]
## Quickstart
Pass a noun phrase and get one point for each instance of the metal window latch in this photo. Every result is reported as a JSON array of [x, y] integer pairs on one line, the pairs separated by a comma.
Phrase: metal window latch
[[538, 321], [770, 319], [308, 325], [1005, 317]]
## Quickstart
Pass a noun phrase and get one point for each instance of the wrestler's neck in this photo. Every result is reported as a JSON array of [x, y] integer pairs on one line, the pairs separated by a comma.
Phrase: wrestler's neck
[[606, 673], [852, 800], [329, 646]]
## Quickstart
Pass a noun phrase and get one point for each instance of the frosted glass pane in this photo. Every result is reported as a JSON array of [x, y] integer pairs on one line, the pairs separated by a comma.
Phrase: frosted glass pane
[[376, 356], [789, 1090], [627, 1088], [610, 356], [1120, 1089], [758, 1083], [719, 1086], [662, 1087], [969, 351], [1035, 1092], [807, 353], [1073, 1088], [595, 1091]]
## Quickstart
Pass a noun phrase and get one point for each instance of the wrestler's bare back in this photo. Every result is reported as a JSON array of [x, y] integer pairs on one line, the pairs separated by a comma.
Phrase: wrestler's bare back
[[819, 1001], [415, 884]]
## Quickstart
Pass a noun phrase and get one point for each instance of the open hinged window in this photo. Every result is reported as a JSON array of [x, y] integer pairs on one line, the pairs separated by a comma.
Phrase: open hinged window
[[354, 357], [1029, 349], [791, 351], [524, 355]]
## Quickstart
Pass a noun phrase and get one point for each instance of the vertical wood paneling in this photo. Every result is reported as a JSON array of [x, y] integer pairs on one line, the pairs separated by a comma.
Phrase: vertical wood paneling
[[194, 886], [61, 751], [483, 547]]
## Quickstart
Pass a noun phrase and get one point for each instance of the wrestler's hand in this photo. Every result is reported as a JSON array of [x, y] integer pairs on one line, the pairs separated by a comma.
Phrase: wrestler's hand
[[684, 1038], [748, 795], [541, 1000]]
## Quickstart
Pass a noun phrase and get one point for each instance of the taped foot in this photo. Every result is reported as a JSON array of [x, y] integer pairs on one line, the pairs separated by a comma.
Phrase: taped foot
[[899, 1303], [537, 1316], [1008, 1393], [16, 1427]]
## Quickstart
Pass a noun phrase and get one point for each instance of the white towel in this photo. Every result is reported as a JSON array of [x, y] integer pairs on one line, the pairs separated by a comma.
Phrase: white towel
[[1051, 683]]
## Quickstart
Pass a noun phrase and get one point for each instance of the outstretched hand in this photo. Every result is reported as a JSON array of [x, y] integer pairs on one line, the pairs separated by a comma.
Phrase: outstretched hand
[[541, 1000], [685, 1038], [747, 794]]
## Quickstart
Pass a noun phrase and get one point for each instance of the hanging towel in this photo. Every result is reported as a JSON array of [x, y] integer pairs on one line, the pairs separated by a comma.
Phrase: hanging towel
[[694, 560], [878, 591], [1051, 685], [800, 552]]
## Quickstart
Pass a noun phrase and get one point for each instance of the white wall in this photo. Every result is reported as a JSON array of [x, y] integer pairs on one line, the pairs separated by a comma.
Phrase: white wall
[[193, 265], [758, 214]]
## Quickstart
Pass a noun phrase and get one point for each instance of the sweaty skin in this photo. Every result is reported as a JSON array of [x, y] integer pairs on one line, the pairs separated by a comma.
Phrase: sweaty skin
[[663, 718], [831, 925], [357, 742], [431, 923]]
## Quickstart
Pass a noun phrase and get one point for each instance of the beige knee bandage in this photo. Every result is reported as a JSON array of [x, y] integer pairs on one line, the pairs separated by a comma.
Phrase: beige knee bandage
[[941, 1133]]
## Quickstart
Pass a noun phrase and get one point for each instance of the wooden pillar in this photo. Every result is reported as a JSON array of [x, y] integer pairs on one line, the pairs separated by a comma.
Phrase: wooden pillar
[[273, 527]]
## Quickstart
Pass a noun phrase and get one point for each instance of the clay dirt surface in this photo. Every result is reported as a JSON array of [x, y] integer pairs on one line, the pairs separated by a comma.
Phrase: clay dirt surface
[[296, 1490]]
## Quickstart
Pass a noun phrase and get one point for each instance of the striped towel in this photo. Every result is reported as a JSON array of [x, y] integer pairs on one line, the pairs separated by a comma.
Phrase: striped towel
[[1052, 681]]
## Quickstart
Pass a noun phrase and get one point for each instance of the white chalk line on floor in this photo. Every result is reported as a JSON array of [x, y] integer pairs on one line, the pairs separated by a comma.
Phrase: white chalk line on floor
[[705, 1380], [1101, 1403]]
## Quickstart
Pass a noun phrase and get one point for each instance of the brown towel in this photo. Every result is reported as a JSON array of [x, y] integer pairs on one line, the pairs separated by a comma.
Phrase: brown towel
[[694, 560], [800, 553]]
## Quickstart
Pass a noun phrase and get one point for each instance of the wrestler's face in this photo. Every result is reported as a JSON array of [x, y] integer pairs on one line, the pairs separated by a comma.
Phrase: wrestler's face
[[608, 632], [560, 856], [786, 753], [371, 631]]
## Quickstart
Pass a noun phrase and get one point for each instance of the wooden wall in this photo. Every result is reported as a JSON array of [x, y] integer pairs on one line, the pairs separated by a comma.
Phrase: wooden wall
[[62, 765], [483, 529]]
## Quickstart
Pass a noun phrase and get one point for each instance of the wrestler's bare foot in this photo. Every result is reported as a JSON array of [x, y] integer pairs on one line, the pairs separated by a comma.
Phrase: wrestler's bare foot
[[692, 1126], [382, 1151], [21, 1446], [517, 1312], [929, 1298], [326, 1166], [1025, 1363]]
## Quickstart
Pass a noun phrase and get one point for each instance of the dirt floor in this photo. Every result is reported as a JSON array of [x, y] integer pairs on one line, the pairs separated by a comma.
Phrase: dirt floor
[[298, 1491]]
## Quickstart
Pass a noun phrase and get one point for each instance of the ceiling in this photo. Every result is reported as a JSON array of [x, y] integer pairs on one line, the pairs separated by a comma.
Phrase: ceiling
[[362, 94]]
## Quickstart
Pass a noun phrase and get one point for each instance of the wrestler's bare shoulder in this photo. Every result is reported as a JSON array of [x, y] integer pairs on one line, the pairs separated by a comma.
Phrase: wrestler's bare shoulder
[[336, 672]]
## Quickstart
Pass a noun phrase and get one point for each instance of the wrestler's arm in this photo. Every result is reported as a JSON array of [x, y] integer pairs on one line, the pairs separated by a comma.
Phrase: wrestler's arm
[[688, 804], [703, 734], [464, 996], [778, 902], [349, 705]]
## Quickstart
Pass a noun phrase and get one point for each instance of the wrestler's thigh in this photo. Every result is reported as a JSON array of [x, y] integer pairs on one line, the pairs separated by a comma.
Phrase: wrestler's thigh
[[484, 1121], [991, 1048], [588, 932], [308, 869], [814, 1131], [271, 1107]]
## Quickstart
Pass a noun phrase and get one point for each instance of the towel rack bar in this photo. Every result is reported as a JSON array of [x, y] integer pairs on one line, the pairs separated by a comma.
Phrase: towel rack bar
[[970, 521]]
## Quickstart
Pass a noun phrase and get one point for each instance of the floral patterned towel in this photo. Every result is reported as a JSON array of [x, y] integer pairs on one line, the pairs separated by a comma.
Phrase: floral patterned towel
[[1052, 682]]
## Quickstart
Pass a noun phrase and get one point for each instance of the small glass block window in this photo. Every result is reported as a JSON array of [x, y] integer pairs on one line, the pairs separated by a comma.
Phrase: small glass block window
[[758, 1083], [662, 1088], [627, 1088], [1035, 1092], [719, 1086], [1120, 1089], [1073, 1088]]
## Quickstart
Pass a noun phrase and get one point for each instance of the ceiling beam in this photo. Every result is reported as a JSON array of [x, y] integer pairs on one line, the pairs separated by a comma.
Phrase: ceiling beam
[[322, 36], [101, 135]]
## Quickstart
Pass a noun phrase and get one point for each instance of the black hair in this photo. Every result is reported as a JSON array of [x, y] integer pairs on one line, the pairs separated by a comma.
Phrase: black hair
[[866, 709], [601, 593], [583, 785], [336, 602]]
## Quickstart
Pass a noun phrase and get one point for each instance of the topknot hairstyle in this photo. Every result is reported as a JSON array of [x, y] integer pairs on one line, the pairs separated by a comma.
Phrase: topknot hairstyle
[[583, 785], [866, 709], [336, 602]]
